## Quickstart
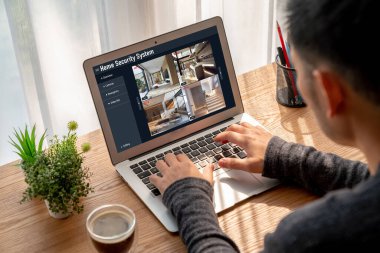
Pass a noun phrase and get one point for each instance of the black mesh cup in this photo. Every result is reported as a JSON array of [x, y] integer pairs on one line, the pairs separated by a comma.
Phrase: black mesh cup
[[286, 88]]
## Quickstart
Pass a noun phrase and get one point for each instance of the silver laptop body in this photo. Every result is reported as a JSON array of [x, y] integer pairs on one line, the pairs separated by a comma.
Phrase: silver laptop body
[[172, 93]]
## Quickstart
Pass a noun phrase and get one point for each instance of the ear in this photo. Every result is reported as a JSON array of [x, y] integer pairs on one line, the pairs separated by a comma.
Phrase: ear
[[331, 91]]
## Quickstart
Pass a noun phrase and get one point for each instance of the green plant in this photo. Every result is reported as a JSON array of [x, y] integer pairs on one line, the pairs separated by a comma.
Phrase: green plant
[[57, 175], [141, 85], [26, 147]]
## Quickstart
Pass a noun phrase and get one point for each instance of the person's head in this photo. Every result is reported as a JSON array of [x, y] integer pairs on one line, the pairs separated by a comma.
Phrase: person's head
[[336, 57]]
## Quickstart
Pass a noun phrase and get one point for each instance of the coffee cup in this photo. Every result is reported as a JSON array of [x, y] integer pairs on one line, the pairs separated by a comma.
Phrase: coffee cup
[[111, 228]]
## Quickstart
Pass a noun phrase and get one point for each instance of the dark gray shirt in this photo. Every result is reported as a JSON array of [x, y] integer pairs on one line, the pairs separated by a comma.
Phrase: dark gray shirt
[[347, 218]]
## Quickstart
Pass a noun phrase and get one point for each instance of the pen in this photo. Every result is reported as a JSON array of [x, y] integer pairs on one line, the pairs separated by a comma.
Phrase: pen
[[287, 60], [291, 62], [291, 98], [281, 56], [287, 47]]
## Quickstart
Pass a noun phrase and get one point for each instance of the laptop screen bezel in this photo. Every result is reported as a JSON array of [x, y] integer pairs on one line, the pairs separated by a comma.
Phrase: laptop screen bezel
[[117, 157]]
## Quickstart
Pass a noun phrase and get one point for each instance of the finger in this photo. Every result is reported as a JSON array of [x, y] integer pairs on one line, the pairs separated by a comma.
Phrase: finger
[[208, 173], [247, 125], [233, 128], [170, 159], [237, 128], [233, 137], [257, 128], [182, 157], [156, 180], [248, 164], [162, 166]]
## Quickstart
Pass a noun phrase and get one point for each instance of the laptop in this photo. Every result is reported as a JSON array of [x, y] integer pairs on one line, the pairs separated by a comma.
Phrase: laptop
[[172, 93]]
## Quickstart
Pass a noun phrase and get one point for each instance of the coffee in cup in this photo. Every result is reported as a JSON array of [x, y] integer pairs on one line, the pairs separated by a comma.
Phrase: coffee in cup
[[112, 228]]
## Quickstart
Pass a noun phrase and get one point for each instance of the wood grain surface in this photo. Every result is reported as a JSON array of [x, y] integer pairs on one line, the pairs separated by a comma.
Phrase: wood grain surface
[[29, 228]]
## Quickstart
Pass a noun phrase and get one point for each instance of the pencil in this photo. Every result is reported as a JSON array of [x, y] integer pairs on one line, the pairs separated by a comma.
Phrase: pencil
[[287, 60]]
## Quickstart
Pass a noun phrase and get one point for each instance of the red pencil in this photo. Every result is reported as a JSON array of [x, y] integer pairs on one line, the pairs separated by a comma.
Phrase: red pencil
[[287, 60]]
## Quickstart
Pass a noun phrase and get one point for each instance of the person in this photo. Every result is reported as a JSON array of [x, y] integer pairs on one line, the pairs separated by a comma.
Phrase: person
[[335, 54]]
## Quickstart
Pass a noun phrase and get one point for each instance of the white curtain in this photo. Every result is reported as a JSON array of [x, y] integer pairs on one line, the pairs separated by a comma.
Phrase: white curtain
[[51, 39]]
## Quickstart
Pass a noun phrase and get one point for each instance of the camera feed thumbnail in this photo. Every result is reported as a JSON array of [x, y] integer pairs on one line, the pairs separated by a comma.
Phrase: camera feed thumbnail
[[179, 87]]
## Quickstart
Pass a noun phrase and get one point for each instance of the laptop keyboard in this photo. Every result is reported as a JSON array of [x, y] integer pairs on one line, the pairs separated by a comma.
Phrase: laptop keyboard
[[201, 151]]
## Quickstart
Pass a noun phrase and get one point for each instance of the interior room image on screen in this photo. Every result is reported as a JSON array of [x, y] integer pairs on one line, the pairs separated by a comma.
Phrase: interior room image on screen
[[179, 87]]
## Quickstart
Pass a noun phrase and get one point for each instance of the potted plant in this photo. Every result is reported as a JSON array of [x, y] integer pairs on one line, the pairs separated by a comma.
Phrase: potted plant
[[56, 174]]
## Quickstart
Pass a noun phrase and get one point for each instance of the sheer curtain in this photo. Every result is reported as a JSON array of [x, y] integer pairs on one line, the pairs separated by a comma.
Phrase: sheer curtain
[[51, 39], [13, 110]]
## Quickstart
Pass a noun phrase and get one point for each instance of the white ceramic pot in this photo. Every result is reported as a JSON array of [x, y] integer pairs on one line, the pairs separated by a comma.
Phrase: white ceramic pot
[[56, 215]]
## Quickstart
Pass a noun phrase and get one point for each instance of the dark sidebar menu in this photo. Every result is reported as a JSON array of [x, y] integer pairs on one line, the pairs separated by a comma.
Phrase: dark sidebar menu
[[119, 112]]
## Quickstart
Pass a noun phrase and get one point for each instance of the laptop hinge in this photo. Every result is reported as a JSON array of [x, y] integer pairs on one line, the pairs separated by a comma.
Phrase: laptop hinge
[[185, 137]]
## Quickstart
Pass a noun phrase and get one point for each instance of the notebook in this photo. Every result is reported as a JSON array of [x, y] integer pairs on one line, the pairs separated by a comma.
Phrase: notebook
[[172, 93]]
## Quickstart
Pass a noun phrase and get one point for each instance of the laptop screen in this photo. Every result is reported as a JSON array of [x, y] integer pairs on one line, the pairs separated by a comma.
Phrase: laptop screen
[[158, 90]]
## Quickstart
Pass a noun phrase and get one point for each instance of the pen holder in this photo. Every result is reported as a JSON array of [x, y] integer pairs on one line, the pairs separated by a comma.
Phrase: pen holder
[[286, 79]]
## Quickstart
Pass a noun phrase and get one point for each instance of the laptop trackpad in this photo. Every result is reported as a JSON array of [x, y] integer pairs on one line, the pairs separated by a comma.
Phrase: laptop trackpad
[[233, 186]]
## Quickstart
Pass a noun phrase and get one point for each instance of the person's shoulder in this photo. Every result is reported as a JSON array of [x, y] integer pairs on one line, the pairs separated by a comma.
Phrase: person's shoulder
[[348, 201], [340, 218], [352, 209]]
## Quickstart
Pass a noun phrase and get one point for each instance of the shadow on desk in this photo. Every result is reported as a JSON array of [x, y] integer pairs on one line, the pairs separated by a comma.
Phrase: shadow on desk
[[252, 219]]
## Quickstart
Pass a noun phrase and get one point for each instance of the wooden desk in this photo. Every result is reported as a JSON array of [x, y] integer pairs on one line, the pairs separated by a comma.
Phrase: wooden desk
[[29, 228]]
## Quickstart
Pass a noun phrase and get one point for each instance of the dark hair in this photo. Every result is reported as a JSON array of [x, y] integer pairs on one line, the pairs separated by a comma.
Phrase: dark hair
[[341, 33]]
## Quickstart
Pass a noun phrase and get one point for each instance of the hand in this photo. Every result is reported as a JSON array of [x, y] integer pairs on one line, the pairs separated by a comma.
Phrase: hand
[[253, 139], [176, 167]]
